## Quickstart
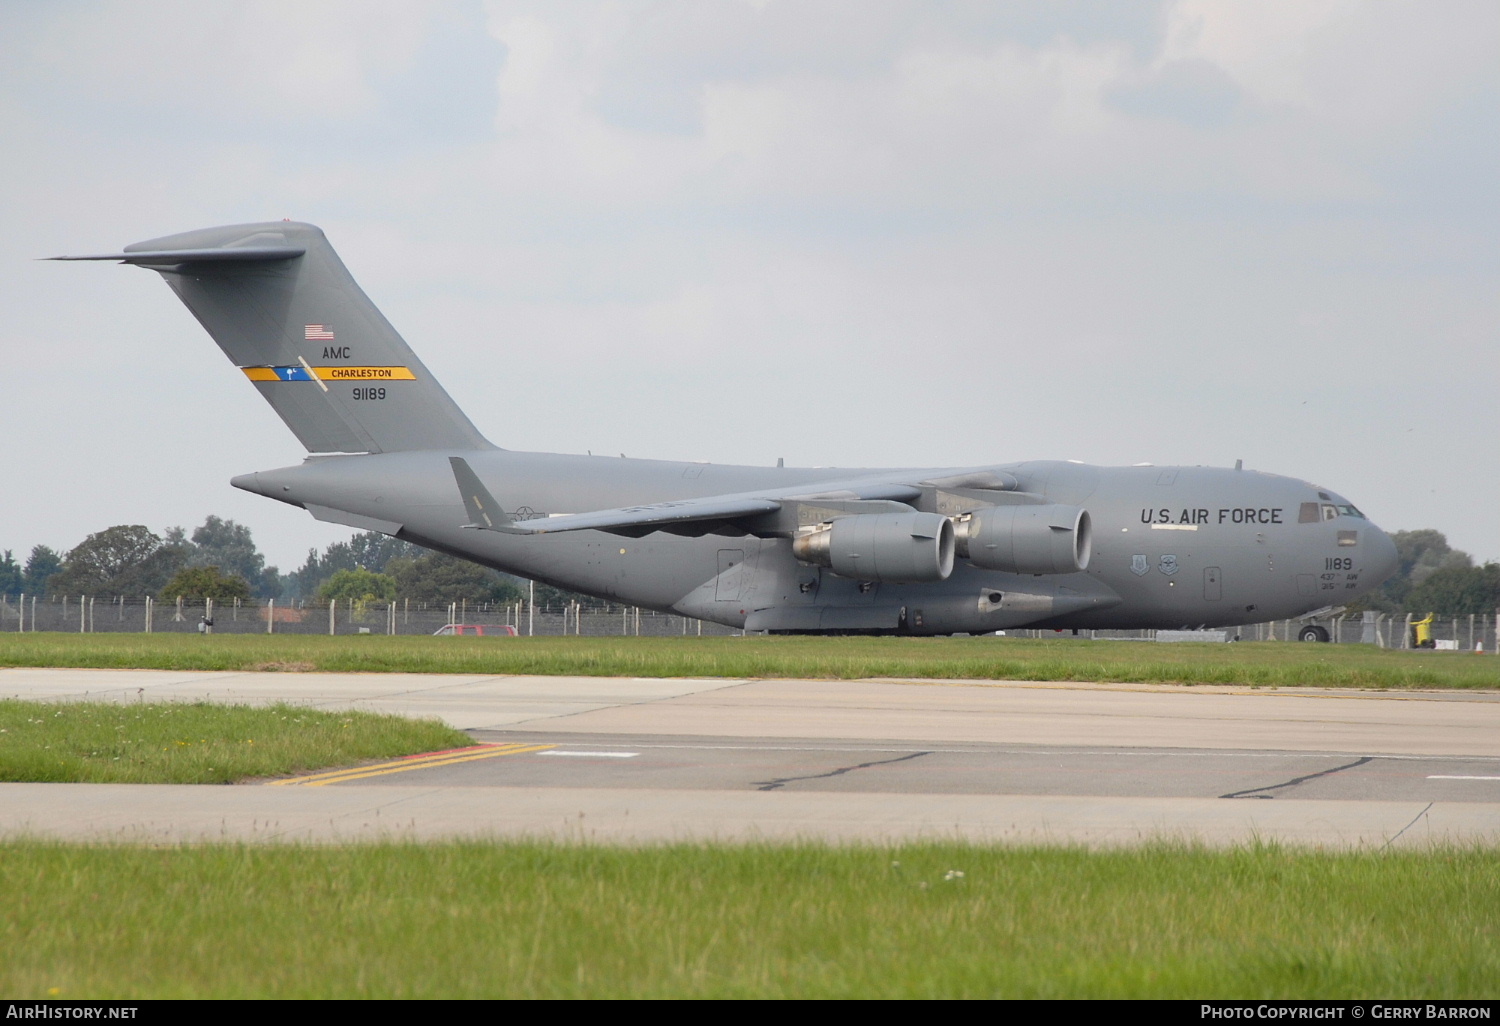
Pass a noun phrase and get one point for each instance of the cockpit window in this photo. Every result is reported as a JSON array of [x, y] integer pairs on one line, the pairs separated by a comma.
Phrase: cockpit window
[[1318, 512]]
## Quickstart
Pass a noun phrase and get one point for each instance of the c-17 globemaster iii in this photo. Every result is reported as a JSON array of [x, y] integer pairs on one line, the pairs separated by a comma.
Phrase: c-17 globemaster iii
[[944, 550]]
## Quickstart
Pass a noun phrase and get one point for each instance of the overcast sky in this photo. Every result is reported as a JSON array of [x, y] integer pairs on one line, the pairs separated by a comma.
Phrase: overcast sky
[[865, 233]]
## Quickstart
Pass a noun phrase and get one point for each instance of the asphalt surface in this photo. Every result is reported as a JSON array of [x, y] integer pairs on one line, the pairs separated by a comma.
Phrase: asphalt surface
[[642, 760]]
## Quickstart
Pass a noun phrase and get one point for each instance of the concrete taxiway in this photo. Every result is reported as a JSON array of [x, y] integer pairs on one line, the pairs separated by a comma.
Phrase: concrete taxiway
[[649, 760]]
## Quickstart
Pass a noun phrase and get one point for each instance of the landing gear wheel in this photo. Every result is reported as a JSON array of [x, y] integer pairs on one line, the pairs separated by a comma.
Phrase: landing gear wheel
[[1312, 632]]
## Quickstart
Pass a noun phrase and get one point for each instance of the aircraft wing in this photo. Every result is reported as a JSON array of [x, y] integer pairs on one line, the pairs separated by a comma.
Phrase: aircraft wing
[[487, 514], [652, 517], [697, 516]]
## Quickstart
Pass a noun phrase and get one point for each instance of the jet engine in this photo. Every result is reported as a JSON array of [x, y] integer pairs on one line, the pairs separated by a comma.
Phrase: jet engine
[[1047, 539], [904, 548]]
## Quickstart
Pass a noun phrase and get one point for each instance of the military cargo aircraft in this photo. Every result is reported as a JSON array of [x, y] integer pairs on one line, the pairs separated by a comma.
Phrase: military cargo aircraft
[[917, 551]]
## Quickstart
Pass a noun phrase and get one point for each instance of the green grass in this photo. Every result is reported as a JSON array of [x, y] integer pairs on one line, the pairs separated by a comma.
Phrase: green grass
[[179, 743], [1262, 663], [541, 920]]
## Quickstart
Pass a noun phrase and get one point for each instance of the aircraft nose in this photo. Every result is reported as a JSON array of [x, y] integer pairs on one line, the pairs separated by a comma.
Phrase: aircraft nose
[[1380, 556]]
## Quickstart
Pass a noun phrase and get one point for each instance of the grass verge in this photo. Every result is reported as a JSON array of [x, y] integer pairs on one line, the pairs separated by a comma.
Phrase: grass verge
[[1261, 663], [540, 920], [179, 743]]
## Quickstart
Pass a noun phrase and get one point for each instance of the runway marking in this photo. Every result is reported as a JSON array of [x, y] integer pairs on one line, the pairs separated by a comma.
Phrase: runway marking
[[593, 755], [1268, 690], [1000, 748], [450, 757], [1445, 777]]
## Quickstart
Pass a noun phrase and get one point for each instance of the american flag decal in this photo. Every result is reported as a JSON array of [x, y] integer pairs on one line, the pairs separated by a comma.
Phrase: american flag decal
[[318, 333]]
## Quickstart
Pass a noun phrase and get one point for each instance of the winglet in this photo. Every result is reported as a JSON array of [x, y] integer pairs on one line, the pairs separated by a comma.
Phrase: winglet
[[485, 514]]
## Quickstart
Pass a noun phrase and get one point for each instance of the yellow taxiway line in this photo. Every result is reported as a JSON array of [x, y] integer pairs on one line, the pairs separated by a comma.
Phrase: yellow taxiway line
[[416, 762]]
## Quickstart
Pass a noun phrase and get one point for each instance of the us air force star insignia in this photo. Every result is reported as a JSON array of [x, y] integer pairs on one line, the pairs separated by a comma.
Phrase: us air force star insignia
[[1168, 565], [1138, 565]]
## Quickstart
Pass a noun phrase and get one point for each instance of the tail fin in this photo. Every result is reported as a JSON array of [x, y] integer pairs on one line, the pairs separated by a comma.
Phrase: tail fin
[[279, 302]]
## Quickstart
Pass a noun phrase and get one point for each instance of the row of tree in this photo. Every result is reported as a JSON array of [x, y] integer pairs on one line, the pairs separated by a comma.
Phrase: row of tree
[[219, 560], [132, 560], [1434, 576]]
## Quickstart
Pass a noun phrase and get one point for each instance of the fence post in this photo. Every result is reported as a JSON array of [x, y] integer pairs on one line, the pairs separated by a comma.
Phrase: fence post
[[148, 614], [531, 610], [91, 614], [83, 610], [21, 621], [270, 615], [331, 604]]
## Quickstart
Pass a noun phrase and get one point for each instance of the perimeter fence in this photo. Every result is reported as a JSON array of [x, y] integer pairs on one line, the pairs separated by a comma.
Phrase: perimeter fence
[[1466, 632], [87, 614]]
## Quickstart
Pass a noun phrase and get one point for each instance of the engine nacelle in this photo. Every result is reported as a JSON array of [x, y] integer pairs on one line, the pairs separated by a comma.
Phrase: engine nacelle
[[904, 548], [1026, 539]]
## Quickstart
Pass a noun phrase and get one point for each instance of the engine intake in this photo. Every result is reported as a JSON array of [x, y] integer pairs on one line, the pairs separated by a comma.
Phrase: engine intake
[[1048, 539], [904, 548]]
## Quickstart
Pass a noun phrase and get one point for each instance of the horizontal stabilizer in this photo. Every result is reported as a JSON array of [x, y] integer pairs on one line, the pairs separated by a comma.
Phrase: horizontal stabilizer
[[165, 257]]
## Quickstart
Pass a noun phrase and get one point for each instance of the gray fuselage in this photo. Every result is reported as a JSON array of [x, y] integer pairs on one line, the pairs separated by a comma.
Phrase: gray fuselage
[[1171, 546]]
